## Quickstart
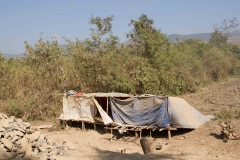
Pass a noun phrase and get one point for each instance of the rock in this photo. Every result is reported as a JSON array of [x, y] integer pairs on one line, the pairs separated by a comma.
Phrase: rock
[[18, 133], [5, 124], [31, 155], [56, 152], [10, 120], [34, 136], [14, 138], [8, 135], [4, 116], [2, 129], [41, 137], [18, 157], [42, 149], [44, 157], [71, 147], [24, 144], [62, 152], [11, 128], [52, 158], [13, 118], [26, 125], [19, 129], [7, 143], [19, 121]]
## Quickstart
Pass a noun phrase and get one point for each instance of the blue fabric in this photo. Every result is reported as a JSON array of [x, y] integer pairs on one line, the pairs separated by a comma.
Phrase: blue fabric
[[149, 111]]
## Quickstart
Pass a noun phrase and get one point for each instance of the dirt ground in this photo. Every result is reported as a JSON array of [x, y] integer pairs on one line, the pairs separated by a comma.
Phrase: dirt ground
[[200, 144]]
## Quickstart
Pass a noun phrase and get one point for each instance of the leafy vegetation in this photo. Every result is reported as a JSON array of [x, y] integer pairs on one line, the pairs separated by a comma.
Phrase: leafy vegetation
[[32, 86]]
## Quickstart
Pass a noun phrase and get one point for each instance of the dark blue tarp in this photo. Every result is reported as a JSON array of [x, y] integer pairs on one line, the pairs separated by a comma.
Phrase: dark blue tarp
[[140, 111]]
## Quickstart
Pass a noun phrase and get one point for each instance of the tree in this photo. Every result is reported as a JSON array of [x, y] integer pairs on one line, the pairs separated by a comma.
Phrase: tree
[[103, 30], [222, 33], [146, 37]]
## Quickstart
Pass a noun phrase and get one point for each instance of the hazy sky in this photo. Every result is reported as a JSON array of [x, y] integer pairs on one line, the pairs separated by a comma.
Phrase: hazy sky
[[24, 20]]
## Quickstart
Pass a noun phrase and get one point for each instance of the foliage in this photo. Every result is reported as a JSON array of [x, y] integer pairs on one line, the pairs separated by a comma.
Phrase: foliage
[[103, 29], [31, 86], [224, 115], [221, 33], [147, 38]]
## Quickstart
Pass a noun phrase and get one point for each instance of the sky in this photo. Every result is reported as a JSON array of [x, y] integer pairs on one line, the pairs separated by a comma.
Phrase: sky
[[25, 20]]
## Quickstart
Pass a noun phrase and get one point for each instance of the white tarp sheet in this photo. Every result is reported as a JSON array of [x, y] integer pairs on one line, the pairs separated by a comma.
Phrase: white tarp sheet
[[183, 114], [82, 109]]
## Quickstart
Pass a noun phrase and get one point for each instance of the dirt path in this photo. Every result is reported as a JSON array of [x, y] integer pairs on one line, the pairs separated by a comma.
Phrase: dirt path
[[200, 144]]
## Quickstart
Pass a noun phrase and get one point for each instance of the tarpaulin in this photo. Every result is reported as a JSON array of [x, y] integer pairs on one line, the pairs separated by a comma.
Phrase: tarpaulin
[[140, 111], [184, 115]]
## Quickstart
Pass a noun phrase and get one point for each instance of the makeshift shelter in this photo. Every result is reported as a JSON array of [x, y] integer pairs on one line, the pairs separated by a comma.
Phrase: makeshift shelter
[[126, 110]]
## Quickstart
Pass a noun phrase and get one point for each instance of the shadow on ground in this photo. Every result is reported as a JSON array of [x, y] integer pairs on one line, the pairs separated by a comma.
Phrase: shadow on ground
[[109, 155]]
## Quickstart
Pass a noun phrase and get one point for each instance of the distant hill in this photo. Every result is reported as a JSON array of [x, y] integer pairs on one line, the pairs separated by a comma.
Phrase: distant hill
[[235, 37], [203, 36]]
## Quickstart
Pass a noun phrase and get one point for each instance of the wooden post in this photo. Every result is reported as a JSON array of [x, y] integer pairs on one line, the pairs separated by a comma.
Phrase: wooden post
[[94, 126], [136, 134], [140, 134], [107, 113], [111, 134], [82, 125], [107, 105], [65, 124], [169, 134], [106, 128], [150, 133]]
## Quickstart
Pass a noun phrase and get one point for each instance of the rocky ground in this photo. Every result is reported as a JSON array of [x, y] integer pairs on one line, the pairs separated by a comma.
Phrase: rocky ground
[[206, 142]]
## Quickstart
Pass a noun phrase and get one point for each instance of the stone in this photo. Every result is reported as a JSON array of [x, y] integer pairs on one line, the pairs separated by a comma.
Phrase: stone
[[4, 116], [41, 149], [52, 158], [43, 157], [10, 120], [5, 124], [15, 138], [71, 147], [31, 155], [8, 135], [18, 157], [11, 128], [19, 121], [41, 137], [18, 133], [2, 129], [13, 118], [19, 129], [26, 124], [7, 143], [34, 136], [56, 152], [24, 143]]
